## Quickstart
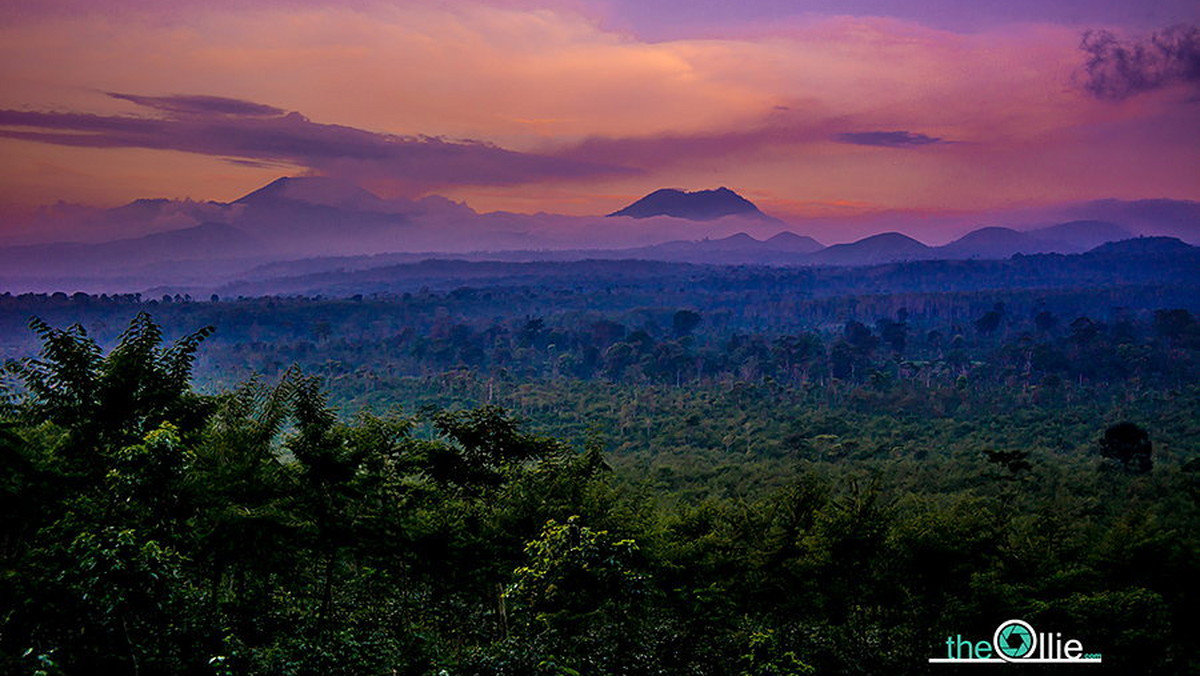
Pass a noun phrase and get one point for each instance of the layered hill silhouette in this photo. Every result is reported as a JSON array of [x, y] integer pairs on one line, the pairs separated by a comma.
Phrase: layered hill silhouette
[[883, 248], [1070, 237], [312, 225], [997, 242], [1159, 262], [1141, 246], [201, 244]]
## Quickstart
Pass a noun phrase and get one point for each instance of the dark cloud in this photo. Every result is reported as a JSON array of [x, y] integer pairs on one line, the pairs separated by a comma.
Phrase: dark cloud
[[252, 132], [255, 164], [887, 139], [201, 105], [52, 124], [1117, 69]]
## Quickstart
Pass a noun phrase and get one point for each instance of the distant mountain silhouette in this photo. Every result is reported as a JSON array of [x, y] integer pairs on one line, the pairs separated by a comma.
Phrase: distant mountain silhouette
[[318, 224], [1173, 218], [298, 216], [315, 190], [1083, 235], [993, 242], [733, 243], [1176, 269], [207, 241], [1139, 246], [701, 205], [888, 247], [793, 243]]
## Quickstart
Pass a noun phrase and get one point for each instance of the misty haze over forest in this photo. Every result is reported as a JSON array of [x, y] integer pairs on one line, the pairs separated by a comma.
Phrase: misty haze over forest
[[201, 247]]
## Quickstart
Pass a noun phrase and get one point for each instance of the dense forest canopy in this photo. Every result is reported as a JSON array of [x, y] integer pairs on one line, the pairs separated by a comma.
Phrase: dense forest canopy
[[736, 473], [599, 337]]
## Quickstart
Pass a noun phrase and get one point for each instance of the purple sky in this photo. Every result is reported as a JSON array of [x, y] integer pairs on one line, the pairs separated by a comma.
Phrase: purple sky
[[669, 19], [814, 110]]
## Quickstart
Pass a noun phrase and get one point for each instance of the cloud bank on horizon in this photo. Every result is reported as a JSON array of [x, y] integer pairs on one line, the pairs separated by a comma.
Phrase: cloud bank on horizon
[[574, 106]]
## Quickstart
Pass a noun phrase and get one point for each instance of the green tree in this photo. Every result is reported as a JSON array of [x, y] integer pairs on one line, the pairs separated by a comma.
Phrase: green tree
[[1129, 445], [683, 322]]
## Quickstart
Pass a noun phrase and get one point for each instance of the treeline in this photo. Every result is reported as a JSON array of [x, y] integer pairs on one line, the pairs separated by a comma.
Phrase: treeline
[[673, 347], [943, 338], [148, 529]]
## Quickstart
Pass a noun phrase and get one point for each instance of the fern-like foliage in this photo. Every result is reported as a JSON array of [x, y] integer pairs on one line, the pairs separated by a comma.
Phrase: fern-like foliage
[[61, 382], [123, 395]]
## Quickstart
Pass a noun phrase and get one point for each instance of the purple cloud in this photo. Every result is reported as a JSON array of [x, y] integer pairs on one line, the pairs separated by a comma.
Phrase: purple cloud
[[245, 131], [887, 139], [201, 105], [1118, 69]]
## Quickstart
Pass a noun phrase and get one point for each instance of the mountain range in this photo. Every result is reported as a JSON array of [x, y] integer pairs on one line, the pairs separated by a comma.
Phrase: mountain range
[[316, 224], [1166, 263]]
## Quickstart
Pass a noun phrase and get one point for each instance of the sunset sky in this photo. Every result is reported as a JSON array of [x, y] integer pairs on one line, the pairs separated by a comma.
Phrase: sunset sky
[[809, 108]]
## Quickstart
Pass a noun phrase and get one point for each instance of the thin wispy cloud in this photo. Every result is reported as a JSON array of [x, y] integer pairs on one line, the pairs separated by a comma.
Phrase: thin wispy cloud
[[201, 105], [888, 139], [252, 133], [783, 128]]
